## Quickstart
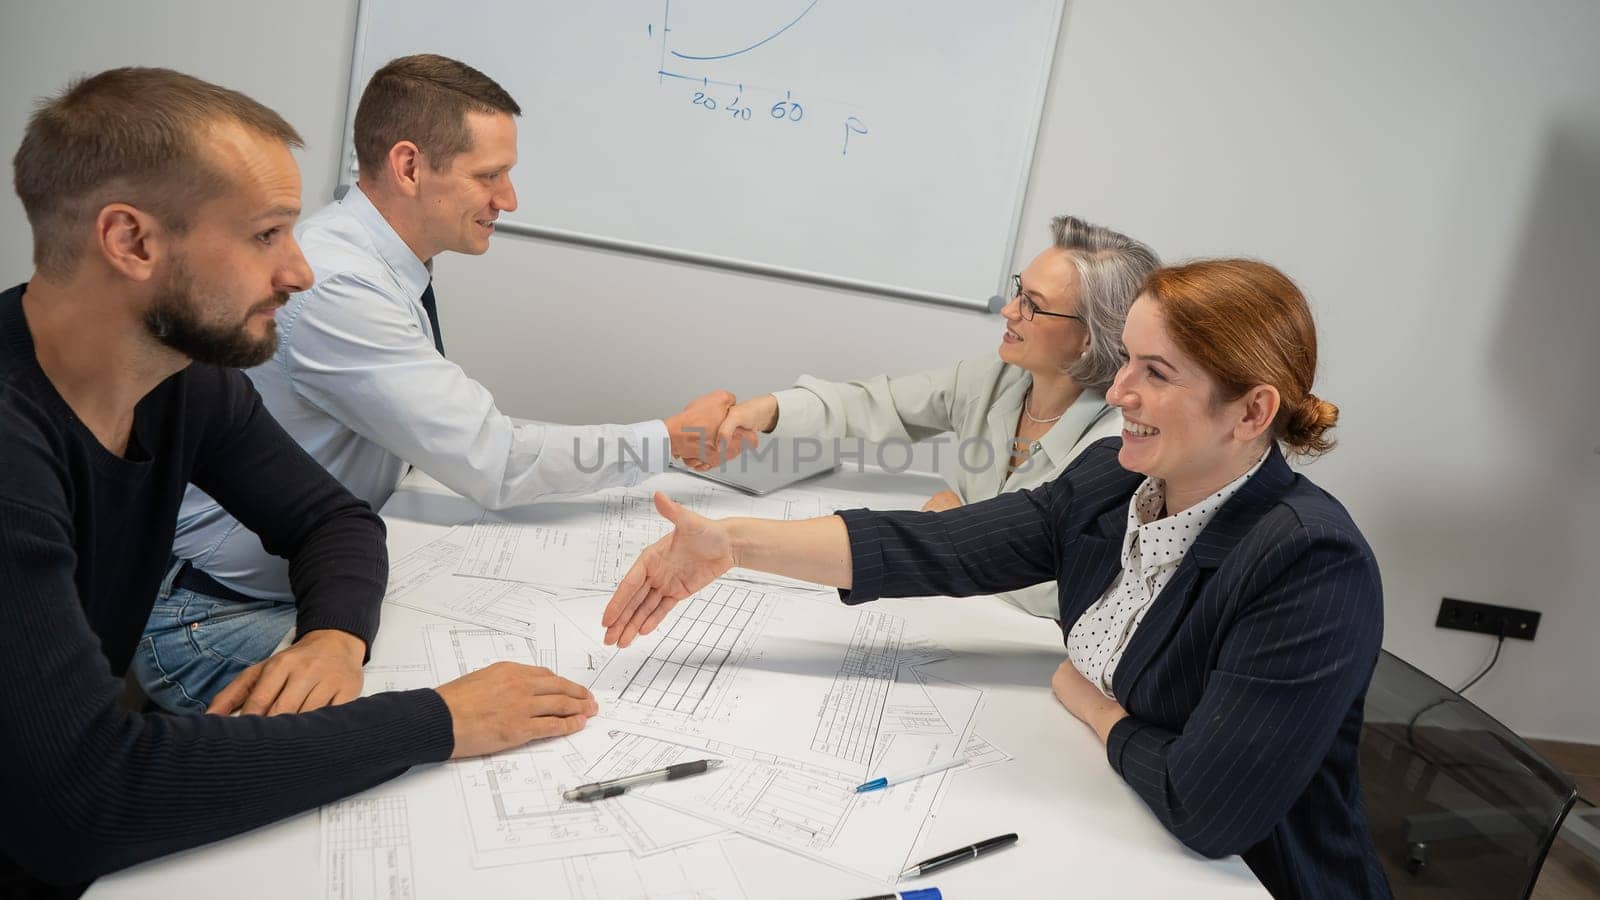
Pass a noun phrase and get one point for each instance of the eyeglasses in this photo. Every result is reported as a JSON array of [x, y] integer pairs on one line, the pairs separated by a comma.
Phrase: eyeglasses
[[1029, 308]]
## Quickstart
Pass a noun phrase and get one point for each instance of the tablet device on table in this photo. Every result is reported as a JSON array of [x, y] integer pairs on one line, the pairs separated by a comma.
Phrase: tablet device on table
[[772, 466]]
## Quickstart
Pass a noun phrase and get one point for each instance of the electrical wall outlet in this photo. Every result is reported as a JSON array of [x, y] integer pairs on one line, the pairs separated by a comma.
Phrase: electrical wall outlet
[[1484, 618]]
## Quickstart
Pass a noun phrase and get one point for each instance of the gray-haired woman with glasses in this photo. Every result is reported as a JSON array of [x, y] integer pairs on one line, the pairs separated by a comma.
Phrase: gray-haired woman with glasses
[[1019, 417]]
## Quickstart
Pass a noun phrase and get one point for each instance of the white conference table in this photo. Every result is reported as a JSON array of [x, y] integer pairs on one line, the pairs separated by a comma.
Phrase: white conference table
[[1083, 832]]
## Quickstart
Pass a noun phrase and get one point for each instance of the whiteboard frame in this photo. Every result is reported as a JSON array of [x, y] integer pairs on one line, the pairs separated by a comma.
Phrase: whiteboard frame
[[347, 177]]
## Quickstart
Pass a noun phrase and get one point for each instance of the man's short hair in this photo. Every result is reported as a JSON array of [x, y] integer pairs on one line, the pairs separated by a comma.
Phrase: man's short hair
[[129, 135], [424, 99]]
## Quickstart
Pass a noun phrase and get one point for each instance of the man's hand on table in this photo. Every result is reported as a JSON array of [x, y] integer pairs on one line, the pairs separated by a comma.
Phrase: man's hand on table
[[509, 704], [322, 668]]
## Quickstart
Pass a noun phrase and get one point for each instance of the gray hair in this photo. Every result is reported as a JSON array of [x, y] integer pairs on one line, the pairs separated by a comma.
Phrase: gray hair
[[1111, 269]]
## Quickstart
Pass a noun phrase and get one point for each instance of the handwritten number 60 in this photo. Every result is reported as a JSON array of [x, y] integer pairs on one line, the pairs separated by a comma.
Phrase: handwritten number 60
[[788, 109]]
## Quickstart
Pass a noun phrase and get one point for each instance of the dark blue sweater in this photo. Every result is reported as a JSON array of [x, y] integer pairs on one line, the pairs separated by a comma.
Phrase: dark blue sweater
[[85, 535]]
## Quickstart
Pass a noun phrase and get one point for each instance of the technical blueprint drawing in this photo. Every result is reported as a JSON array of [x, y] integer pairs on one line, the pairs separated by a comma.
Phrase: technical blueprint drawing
[[980, 753], [697, 872], [368, 845], [590, 542], [648, 827], [423, 580], [809, 809], [514, 808], [366, 850], [378, 679], [759, 669], [426, 583], [910, 710]]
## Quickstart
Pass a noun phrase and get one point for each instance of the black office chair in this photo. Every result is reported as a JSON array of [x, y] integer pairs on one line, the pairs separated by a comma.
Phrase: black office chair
[[1458, 805]]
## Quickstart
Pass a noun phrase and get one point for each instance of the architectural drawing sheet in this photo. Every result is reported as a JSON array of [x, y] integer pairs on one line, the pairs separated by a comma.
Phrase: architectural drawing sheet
[[809, 809], [648, 827], [760, 669], [366, 849], [514, 809], [368, 843], [590, 542], [424, 580], [981, 754], [697, 872]]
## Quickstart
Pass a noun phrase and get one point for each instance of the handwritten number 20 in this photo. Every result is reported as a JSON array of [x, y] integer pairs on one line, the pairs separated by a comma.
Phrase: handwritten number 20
[[700, 99]]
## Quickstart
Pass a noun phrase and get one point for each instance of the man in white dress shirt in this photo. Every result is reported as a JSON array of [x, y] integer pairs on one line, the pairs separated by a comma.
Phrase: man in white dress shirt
[[360, 380]]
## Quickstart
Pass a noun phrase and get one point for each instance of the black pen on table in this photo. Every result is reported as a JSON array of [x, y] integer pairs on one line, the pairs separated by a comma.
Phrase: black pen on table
[[962, 854], [600, 790]]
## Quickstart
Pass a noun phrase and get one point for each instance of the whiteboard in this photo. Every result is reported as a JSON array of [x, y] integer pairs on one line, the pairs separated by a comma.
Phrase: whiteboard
[[879, 143]]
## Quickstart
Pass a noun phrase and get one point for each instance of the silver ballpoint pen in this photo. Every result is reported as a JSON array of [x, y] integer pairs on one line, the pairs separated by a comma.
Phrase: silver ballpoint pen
[[600, 790]]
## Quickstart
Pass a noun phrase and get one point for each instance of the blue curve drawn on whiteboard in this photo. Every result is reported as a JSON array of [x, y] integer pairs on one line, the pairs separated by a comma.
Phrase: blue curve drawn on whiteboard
[[752, 46]]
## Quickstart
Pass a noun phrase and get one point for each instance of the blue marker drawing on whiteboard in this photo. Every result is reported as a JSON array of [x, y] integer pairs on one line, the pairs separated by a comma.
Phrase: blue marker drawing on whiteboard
[[703, 81], [665, 13], [787, 108], [709, 56], [854, 125], [733, 101]]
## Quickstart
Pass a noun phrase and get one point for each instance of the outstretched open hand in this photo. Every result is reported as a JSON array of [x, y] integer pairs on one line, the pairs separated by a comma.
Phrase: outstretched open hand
[[691, 556]]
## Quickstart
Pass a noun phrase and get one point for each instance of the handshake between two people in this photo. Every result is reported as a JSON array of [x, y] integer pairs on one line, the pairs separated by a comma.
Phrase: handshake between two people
[[507, 704], [715, 428]]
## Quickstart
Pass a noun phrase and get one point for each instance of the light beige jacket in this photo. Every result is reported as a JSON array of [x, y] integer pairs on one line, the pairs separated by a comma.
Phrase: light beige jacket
[[979, 400]]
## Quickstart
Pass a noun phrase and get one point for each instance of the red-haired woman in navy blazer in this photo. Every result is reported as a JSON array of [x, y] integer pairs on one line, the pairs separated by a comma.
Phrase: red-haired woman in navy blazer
[[1222, 614]]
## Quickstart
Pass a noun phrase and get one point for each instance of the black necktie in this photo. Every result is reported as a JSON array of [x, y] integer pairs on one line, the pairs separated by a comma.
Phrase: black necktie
[[433, 317]]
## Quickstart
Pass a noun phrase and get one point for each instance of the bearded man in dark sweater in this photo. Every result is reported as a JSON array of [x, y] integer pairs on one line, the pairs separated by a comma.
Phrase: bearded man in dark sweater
[[161, 208]]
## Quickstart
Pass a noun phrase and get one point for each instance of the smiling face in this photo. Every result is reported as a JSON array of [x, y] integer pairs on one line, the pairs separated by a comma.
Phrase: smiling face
[[461, 203], [238, 262], [1047, 343], [1175, 426]]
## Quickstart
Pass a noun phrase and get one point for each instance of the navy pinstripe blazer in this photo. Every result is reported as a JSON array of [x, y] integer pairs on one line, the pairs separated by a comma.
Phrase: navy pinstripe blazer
[[1244, 683]]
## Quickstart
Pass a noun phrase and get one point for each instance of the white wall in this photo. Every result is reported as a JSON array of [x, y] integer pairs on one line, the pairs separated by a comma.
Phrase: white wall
[[1429, 172], [293, 55]]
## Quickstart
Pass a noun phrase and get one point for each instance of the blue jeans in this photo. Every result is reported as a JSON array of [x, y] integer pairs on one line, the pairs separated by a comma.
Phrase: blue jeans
[[194, 644]]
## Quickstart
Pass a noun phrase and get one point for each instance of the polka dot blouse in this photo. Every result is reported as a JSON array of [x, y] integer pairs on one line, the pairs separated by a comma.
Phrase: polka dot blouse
[[1150, 556]]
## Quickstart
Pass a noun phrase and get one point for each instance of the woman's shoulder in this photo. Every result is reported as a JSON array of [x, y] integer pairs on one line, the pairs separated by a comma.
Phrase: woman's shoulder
[[977, 383], [985, 374], [1091, 485], [1307, 525], [1315, 509]]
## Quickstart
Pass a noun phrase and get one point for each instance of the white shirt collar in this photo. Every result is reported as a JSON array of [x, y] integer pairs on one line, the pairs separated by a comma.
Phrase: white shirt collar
[[1160, 541], [409, 271]]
